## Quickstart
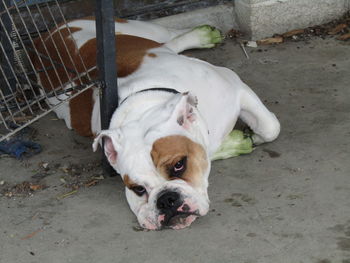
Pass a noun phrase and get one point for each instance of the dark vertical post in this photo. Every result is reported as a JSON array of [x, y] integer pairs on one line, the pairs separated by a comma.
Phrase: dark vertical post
[[6, 43], [106, 62]]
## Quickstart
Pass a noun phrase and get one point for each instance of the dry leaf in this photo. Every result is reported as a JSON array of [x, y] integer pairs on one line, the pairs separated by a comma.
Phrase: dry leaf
[[270, 40], [31, 234], [91, 183], [337, 29], [293, 32], [35, 187], [344, 37]]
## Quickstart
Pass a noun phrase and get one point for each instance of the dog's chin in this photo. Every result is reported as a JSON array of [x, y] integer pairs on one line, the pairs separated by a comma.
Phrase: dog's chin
[[180, 221], [182, 217]]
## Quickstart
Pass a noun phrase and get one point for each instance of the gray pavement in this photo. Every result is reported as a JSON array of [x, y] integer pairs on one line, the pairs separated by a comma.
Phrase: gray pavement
[[288, 201]]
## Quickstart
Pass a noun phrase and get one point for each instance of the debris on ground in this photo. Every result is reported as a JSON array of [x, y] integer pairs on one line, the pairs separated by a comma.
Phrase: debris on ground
[[75, 175], [67, 194], [234, 34], [44, 165], [31, 234], [271, 40], [252, 44], [23, 189], [344, 37], [19, 148], [338, 28], [70, 176], [91, 183], [294, 32], [245, 52]]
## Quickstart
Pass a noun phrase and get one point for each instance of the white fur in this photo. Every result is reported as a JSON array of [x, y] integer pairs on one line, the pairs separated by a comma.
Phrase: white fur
[[96, 116], [147, 116], [134, 28]]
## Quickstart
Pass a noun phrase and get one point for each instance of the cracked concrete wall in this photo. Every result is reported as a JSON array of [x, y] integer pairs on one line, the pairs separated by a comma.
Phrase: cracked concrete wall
[[263, 18]]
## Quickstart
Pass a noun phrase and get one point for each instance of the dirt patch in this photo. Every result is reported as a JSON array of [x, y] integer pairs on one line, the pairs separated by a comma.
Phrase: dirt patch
[[23, 189], [71, 176]]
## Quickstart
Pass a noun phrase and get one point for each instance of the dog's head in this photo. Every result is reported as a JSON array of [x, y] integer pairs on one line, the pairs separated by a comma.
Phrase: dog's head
[[164, 163]]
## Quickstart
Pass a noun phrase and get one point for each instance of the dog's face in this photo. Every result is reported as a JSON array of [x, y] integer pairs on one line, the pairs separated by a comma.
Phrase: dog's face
[[164, 168]]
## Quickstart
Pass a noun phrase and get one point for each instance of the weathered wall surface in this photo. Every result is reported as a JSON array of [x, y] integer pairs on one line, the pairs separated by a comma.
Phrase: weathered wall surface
[[262, 18]]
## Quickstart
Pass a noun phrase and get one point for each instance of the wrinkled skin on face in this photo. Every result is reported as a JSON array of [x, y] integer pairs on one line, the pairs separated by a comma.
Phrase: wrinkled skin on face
[[190, 205], [165, 167], [179, 193]]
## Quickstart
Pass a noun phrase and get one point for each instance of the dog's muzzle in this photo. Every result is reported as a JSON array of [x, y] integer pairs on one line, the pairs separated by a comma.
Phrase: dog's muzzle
[[168, 204]]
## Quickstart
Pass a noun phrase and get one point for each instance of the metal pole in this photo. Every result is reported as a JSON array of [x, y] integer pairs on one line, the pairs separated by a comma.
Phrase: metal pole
[[6, 42], [106, 63]]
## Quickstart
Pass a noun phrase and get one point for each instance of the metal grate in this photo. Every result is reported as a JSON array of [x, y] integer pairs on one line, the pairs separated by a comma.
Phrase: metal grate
[[26, 46]]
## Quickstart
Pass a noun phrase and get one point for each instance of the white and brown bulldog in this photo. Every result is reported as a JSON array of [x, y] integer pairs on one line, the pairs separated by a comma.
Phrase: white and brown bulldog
[[174, 114]]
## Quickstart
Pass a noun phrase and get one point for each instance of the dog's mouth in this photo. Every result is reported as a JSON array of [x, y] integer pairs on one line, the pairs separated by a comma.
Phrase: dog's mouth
[[178, 220]]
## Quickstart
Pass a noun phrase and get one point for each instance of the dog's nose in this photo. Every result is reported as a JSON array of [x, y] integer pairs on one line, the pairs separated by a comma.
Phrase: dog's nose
[[169, 201]]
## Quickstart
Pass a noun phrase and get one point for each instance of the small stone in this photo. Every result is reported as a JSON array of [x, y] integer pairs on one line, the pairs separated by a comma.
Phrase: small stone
[[252, 44], [63, 180]]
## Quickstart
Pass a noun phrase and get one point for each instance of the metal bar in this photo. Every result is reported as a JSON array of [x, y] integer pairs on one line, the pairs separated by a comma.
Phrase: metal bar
[[75, 43], [6, 42], [62, 39], [106, 64], [11, 69], [53, 93], [17, 102], [106, 53], [26, 52], [45, 113], [11, 7], [36, 52]]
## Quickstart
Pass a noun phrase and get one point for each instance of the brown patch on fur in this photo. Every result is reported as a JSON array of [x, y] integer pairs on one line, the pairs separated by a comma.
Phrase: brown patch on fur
[[82, 105], [128, 182], [56, 74], [152, 55], [130, 54], [80, 113], [121, 20], [167, 151], [131, 51]]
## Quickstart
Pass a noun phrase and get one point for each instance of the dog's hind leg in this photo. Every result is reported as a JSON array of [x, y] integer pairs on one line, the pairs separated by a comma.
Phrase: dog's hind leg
[[253, 112], [200, 37]]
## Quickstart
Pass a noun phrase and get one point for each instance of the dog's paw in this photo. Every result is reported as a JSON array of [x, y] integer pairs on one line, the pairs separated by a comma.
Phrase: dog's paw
[[208, 35]]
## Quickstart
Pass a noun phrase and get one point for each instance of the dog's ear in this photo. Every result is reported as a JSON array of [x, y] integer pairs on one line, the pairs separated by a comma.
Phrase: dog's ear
[[110, 139], [183, 109]]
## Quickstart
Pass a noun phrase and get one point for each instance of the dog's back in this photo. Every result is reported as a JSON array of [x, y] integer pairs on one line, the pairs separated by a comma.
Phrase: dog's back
[[69, 51]]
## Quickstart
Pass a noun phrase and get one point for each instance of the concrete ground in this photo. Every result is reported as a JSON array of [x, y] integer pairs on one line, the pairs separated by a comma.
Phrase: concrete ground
[[287, 202]]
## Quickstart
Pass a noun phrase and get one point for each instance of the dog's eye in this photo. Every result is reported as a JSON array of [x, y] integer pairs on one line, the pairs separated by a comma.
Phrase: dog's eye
[[179, 168], [139, 190]]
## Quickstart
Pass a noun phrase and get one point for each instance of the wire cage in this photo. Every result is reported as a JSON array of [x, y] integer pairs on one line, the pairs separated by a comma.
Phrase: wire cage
[[29, 56]]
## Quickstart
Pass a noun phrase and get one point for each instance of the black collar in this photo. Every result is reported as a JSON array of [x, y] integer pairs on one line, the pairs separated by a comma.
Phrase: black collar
[[174, 91]]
